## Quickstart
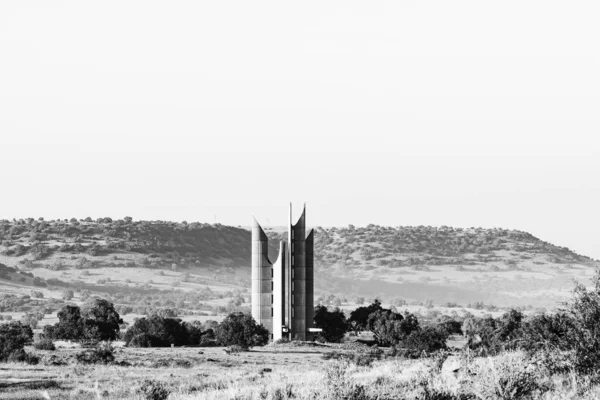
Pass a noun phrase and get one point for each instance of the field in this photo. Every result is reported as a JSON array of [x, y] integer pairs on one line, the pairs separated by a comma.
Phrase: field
[[187, 371], [286, 372]]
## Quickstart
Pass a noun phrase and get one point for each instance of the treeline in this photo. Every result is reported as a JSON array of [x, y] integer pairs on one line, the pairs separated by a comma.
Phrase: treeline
[[429, 245]]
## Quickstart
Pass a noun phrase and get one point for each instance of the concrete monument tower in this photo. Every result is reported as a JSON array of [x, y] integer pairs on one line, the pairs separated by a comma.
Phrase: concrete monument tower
[[283, 292]]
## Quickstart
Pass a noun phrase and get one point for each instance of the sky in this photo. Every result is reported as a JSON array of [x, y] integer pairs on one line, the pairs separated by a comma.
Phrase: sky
[[462, 113]]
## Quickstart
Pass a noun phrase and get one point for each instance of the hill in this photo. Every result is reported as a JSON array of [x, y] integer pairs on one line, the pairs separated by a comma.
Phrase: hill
[[204, 268]]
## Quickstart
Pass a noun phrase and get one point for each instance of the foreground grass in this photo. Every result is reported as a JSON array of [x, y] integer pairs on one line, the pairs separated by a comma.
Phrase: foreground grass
[[284, 372]]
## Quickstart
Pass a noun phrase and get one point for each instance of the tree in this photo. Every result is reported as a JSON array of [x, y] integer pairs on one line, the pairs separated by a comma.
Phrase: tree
[[584, 310], [428, 340], [67, 294], [101, 320], [157, 331], [68, 327], [13, 337], [359, 317], [98, 321], [242, 330], [389, 328], [547, 332], [166, 313], [333, 323]]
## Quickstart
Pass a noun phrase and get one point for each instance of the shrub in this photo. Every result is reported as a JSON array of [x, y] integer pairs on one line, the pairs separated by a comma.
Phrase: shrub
[[489, 336], [21, 356], [99, 321], [390, 328], [361, 359], [67, 294], [102, 353], [242, 330], [547, 332], [156, 331], [333, 323], [339, 385], [584, 336], [427, 340], [506, 377], [13, 337], [44, 344], [141, 340], [358, 318], [153, 390], [235, 349]]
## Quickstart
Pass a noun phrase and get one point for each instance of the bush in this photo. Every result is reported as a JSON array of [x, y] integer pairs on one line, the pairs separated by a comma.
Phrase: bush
[[361, 359], [241, 329], [97, 322], [156, 331], [390, 328], [153, 390], [141, 340], [489, 336], [13, 337], [340, 385], [425, 341], [358, 318], [21, 356], [44, 344], [102, 353], [333, 323], [506, 377]]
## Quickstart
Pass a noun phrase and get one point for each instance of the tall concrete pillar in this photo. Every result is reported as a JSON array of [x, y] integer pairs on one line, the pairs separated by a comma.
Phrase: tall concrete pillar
[[279, 292], [262, 278], [301, 288]]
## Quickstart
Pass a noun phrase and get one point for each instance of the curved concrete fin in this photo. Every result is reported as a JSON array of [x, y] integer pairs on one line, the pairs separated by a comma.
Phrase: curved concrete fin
[[311, 234], [257, 231], [280, 254], [302, 220], [310, 238]]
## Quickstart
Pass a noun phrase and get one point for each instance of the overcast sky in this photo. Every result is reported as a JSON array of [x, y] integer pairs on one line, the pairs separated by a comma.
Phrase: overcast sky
[[461, 113]]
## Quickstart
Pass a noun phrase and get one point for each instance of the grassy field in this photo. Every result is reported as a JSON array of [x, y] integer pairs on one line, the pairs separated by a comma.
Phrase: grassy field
[[286, 372]]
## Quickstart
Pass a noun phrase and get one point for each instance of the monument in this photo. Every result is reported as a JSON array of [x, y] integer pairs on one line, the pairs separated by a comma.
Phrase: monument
[[282, 292]]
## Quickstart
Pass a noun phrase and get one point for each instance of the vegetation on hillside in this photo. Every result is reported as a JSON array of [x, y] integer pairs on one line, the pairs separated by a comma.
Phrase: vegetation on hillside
[[204, 243], [420, 265]]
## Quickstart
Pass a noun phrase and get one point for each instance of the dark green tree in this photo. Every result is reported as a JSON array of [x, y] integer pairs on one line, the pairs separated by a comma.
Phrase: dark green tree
[[242, 330], [333, 323], [157, 331], [97, 322], [358, 318], [101, 320], [389, 328], [13, 337]]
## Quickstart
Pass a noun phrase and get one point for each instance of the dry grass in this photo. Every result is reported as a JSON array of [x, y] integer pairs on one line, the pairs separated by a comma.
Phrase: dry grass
[[286, 372]]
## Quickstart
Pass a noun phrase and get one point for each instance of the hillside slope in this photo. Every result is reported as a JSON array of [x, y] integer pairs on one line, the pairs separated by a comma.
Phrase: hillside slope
[[412, 263]]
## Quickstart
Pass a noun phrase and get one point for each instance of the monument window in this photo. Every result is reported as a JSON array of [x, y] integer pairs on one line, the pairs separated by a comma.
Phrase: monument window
[[271, 272], [293, 273], [292, 286], [271, 299], [292, 260], [271, 311], [293, 312], [271, 285]]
